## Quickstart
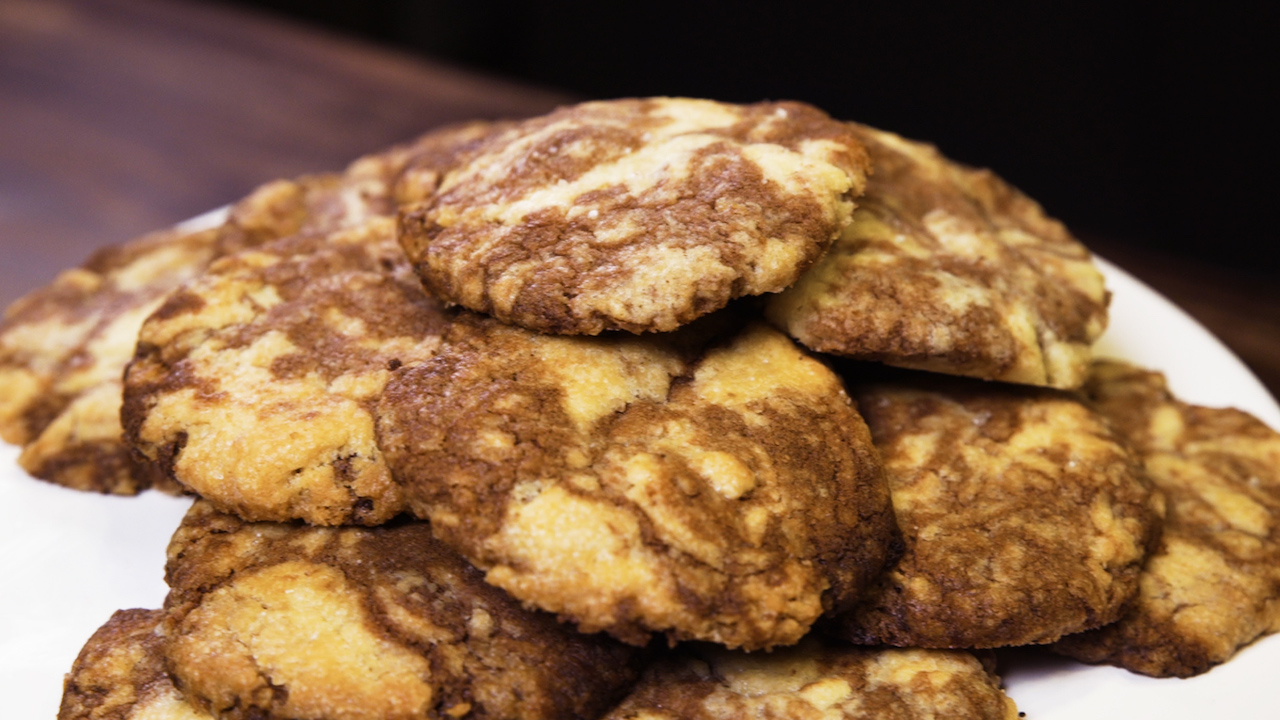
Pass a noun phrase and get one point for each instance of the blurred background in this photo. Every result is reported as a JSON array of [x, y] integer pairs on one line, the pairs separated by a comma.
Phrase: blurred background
[[1148, 129], [1127, 121]]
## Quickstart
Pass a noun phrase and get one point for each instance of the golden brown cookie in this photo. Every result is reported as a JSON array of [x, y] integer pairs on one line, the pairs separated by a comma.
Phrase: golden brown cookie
[[63, 348], [1024, 516], [638, 215], [722, 491], [254, 385], [949, 269], [1213, 585], [120, 675], [273, 620], [816, 681]]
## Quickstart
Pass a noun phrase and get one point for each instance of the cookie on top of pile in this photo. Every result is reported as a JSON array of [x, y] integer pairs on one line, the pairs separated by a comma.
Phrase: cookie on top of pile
[[637, 215], [527, 359]]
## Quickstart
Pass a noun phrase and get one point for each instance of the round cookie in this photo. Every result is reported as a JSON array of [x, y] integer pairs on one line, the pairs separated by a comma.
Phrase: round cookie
[[120, 675], [816, 681], [723, 491], [949, 269], [64, 347], [1213, 585], [254, 385], [638, 215], [1024, 516], [274, 620]]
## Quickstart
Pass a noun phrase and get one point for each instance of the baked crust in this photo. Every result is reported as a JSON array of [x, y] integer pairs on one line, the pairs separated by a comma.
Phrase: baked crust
[[638, 215], [709, 484], [950, 269]]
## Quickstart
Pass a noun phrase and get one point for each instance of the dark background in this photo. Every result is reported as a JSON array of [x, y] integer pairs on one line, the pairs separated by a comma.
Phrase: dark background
[[1150, 132], [1149, 125]]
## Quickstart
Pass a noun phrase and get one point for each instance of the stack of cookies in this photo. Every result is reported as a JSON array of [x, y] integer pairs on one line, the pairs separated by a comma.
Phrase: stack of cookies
[[656, 408]]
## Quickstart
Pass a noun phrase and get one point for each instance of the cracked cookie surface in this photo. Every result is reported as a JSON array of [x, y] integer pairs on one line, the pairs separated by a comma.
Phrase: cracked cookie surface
[[275, 620], [1024, 516], [1213, 585], [254, 385], [817, 681], [120, 675], [638, 215], [723, 490], [949, 269]]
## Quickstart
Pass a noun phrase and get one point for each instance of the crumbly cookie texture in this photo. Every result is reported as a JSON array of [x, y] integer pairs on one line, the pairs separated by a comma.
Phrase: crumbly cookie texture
[[1024, 516], [725, 492], [638, 215], [273, 620], [120, 675], [816, 681], [949, 269], [1213, 586], [254, 385], [64, 347]]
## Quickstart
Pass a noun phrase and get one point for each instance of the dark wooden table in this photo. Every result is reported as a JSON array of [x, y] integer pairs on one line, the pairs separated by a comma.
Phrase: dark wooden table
[[122, 116]]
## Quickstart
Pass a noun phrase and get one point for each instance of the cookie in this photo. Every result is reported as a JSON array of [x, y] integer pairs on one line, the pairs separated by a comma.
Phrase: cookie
[[721, 490], [1213, 586], [816, 681], [274, 620], [1024, 516], [638, 215], [64, 347], [254, 385], [120, 675], [949, 269]]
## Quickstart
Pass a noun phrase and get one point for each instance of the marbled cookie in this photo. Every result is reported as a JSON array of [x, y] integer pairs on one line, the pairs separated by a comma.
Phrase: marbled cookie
[[1024, 516], [638, 215], [254, 385], [718, 490], [274, 620], [949, 269], [1213, 585], [63, 348]]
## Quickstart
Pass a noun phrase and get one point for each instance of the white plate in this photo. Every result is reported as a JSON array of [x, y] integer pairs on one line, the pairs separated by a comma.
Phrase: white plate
[[69, 559]]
